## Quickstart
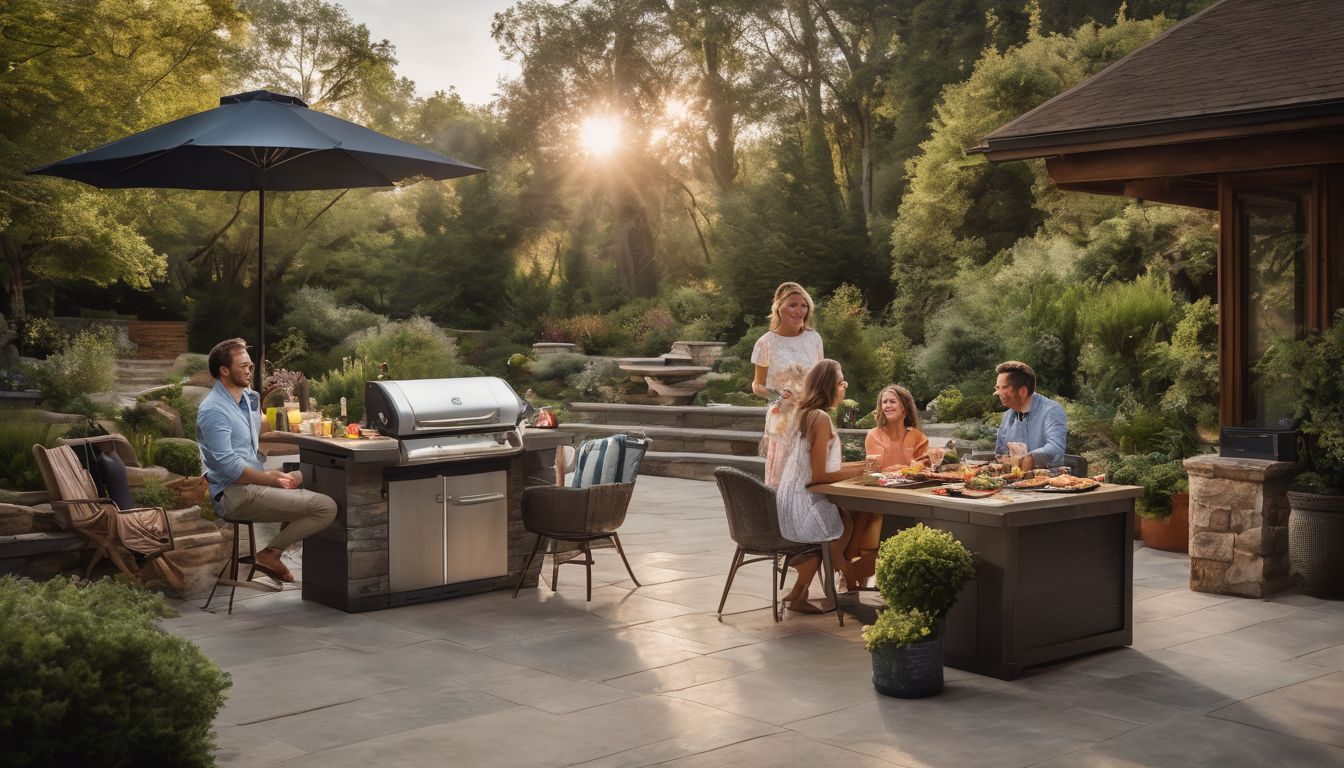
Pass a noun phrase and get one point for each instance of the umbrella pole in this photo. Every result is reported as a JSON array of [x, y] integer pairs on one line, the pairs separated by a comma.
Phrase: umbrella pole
[[260, 371]]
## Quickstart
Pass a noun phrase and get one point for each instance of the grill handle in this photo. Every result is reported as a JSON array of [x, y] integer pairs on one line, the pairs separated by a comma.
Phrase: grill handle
[[479, 498], [491, 416]]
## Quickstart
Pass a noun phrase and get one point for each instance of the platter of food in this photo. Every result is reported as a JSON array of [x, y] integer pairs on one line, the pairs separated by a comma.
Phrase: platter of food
[[895, 480], [966, 493], [1062, 484]]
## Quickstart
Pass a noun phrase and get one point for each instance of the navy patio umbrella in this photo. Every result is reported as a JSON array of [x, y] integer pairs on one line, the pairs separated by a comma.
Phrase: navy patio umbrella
[[262, 141]]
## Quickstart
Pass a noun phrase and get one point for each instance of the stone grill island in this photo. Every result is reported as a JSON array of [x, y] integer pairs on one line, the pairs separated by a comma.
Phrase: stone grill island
[[428, 513]]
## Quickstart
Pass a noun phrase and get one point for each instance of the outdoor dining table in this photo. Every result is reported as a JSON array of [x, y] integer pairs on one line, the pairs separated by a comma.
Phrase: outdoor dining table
[[1054, 571]]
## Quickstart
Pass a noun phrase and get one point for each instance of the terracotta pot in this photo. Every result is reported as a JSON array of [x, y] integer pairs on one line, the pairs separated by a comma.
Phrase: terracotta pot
[[1172, 534]]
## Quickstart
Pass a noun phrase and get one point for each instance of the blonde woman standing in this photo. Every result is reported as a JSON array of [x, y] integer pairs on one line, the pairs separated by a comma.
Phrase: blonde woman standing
[[783, 356], [805, 516]]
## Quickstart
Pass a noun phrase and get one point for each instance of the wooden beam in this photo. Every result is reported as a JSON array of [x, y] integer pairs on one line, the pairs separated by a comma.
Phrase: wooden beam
[[1200, 158]]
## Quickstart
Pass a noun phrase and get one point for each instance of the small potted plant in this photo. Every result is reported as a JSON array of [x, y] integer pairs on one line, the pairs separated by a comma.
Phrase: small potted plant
[[1310, 369], [920, 572], [1164, 507]]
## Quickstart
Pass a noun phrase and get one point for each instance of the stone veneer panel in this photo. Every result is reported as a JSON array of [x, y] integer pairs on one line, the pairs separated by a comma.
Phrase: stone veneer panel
[[1238, 525]]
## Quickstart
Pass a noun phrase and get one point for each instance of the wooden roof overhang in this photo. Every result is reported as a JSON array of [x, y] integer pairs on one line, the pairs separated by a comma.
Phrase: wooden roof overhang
[[1241, 87], [1179, 162]]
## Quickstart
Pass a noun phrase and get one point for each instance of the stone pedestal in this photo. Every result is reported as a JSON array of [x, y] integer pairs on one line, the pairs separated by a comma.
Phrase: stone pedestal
[[1238, 525], [544, 348]]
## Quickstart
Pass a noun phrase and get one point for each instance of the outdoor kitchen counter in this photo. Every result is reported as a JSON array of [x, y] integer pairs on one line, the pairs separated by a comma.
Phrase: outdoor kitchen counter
[[347, 566], [1054, 571]]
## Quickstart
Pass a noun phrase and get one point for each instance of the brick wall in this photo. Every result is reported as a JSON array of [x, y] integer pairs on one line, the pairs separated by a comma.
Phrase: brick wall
[[158, 339]]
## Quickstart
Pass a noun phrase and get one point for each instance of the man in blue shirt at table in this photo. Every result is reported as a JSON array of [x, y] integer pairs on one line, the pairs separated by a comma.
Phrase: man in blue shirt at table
[[228, 428], [1032, 418]]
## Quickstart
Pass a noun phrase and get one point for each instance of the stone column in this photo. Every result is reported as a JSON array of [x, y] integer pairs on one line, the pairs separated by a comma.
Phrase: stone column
[[1238, 525]]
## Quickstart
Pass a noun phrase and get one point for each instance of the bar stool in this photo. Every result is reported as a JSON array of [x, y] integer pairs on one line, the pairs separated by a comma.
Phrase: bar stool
[[231, 566]]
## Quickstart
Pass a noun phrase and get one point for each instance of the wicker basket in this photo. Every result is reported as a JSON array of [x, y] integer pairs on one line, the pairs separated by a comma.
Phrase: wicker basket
[[1316, 542]]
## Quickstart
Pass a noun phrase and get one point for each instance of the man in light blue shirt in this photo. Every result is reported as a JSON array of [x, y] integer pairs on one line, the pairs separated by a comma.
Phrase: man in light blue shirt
[[1032, 418], [228, 427]]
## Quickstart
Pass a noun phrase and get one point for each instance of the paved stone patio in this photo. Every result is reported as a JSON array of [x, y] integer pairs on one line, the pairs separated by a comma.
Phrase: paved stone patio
[[649, 677]]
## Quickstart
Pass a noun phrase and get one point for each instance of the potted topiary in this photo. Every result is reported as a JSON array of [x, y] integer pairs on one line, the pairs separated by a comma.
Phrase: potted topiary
[[920, 572], [1310, 369], [1164, 507]]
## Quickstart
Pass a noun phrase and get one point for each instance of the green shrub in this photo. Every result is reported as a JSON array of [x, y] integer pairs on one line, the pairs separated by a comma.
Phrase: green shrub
[[18, 468], [898, 628], [178, 455], [923, 568], [315, 326], [89, 680], [561, 366], [85, 366], [40, 337], [154, 493], [1124, 325], [412, 349], [188, 363], [1158, 475], [598, 382], [348, 382], [140, 418]]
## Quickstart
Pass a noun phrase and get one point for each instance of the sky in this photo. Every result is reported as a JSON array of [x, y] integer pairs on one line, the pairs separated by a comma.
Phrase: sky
[[440, 43]]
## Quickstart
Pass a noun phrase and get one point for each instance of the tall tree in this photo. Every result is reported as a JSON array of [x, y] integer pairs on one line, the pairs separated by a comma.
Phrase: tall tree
[[74, 75], [604, 66]]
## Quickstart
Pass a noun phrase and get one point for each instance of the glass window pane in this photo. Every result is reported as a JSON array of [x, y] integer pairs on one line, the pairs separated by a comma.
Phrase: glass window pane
[[1273, 225]]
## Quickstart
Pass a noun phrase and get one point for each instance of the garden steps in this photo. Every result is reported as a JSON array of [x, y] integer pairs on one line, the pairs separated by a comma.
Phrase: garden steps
[[697, 466], [732, 442], [135, 377], [689, 441]]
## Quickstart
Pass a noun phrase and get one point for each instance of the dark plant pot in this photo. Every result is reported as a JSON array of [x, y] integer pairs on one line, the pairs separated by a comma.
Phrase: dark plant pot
[[1316, 542], [909, 672], [1172, 534]]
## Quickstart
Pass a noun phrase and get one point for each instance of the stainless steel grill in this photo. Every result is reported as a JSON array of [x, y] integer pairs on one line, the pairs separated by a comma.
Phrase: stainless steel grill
[[448, 502], [437, 420]]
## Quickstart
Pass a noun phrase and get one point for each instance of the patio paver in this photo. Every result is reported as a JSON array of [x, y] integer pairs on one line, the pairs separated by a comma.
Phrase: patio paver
[[649, 676]]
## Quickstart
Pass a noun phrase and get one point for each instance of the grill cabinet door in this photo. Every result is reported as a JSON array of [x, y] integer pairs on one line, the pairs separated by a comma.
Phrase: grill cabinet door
[[478, 526], [415, 534]]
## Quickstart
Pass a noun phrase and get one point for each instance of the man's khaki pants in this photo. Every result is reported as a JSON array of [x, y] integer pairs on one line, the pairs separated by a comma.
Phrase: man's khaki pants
[[301, 511]]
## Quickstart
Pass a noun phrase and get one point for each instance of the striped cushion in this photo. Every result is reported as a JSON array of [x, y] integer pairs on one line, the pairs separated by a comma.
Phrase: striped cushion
[[612, 459]]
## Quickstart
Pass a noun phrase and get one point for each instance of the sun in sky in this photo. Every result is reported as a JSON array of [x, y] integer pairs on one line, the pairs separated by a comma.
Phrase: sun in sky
[[600, 135]]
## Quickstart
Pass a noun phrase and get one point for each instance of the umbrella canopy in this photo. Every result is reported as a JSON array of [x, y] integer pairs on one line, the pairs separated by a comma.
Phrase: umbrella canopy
[[257, 141]]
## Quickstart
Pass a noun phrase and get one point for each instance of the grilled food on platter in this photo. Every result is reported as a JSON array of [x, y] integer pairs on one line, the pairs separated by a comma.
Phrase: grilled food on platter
[[1069, 481], [984, 483], [1032, 482]]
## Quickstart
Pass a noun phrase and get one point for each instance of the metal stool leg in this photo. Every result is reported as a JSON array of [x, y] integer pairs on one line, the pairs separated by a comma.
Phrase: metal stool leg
[[235, 559]]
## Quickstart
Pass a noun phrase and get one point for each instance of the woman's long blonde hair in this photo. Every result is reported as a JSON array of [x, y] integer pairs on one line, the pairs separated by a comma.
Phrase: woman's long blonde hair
[[819, 390], [782, 294], [907, 404]]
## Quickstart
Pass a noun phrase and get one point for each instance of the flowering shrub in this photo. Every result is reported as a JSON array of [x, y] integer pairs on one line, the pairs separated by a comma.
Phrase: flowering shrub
[[284, 380]]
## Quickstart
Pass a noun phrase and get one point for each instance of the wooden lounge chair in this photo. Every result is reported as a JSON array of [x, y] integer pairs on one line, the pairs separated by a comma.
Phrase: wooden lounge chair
[[117, 534]]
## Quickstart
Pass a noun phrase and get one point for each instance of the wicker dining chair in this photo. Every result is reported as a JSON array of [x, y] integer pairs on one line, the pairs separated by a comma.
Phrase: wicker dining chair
[[577, 515], [753, 522]]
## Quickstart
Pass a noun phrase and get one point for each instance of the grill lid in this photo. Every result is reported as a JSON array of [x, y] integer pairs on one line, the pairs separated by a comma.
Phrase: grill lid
[[427, 406]]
